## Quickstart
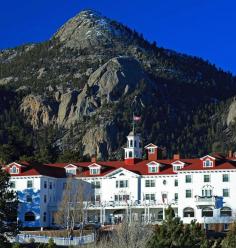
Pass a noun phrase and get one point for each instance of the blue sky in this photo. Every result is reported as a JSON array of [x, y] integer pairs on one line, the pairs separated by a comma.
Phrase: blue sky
[[205, 28]]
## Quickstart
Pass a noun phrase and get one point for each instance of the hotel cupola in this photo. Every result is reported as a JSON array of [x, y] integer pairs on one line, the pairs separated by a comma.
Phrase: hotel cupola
[[133, 151]]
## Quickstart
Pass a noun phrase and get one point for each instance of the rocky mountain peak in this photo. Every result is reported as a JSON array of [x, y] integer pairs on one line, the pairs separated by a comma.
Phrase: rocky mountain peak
[[88, 28]]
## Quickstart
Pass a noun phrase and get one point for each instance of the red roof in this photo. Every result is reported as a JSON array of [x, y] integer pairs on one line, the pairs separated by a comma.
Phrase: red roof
[[58, 169]]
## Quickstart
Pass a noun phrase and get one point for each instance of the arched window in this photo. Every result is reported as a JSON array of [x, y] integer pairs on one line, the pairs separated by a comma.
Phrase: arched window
[[207, 212], [226, 211], [188, 212], [160, 215], [29, 216]]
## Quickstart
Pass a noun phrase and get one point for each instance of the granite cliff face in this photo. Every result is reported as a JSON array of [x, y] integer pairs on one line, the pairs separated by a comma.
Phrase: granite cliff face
[[82, 83]]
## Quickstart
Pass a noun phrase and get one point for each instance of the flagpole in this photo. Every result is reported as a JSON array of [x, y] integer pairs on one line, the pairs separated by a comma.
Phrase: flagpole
[[133, 122]]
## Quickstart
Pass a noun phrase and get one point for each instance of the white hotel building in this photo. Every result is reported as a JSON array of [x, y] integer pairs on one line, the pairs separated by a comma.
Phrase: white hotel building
[[201, 189]]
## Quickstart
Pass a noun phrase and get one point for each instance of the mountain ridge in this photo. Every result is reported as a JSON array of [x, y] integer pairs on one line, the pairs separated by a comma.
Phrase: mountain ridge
[[79, 87]]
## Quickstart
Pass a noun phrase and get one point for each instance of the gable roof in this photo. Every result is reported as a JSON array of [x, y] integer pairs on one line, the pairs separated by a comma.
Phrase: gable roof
[[208, 156], [150, 145], [120, 170]]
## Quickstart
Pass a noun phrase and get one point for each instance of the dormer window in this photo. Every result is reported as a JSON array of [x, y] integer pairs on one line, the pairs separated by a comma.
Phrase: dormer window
[[153, 167], [14, 170], [177, 165], [208, 163], [95, 169], [71, 169]]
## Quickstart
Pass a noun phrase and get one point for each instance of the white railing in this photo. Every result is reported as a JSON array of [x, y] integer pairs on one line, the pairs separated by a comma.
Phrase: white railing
[[27, 238], [205, 200], [128, 204]]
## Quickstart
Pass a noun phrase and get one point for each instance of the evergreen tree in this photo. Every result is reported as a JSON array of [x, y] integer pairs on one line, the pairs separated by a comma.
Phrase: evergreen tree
[[51, 243], [173, 233], [8, 210], [230, 240]]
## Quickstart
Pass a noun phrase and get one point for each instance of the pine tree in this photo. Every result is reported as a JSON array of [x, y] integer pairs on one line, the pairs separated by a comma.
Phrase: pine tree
[[8, 210], [173, 233], [230, 240], [51, 243]]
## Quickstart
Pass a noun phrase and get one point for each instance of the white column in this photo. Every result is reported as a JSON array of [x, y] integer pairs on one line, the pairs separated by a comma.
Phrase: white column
[[148, 220], [101, 219], [104, 215]]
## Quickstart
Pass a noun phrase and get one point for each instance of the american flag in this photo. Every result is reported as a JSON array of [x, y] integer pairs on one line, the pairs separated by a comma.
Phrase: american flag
[[136, 118]]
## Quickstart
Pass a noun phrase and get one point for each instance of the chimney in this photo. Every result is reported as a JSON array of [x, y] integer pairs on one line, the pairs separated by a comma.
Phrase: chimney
[[93, 159], [176, 156], [230, 155]]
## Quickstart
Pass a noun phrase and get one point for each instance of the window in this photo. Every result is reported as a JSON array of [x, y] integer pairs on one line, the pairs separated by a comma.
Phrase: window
[[206, 178], [188, 193], [160, 215], [164, 197], [207, 212], [188, 178], [152, 168], [225, 177], [135, 143], [64, 185], [45, 184], [150, 197], [226, 226], [122, 184], [29, 216], [151, 150], [149, 183], [45, 198], [121, 197], [226, 211], [164, 182], [50, 185], [96, 185], [176, 196], [207, 192], [177, 167], [29, 184], [97, 198], [188, 212], [29, 198], [14, 170], [44, 217], [131, 143], [176, 183], [71, 171], [130, 154], [12, 184], [225, 192], [94, 171], [208, 163]]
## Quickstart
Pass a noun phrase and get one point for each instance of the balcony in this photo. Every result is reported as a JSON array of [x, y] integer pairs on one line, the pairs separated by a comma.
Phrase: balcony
[[205, 201], [128, 203]]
